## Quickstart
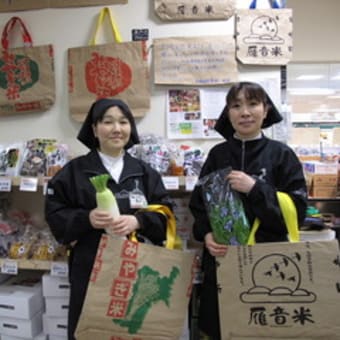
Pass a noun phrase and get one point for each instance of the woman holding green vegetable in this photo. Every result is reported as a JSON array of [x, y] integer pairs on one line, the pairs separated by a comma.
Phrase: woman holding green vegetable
[[260, 168], [78, 216]]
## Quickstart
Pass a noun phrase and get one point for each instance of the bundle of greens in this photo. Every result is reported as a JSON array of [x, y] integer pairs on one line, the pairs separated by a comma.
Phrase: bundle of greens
[[225, 209]]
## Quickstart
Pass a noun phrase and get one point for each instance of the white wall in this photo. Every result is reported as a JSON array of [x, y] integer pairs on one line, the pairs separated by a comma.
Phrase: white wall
[[73, 27]]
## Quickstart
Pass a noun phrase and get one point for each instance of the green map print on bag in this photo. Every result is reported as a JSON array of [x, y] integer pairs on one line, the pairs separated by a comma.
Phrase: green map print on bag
[[107, 76], [17, 73], [149, 288]]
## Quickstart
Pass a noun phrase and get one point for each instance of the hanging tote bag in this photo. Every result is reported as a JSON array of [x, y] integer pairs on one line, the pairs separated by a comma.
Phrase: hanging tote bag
[[27, 82], [182, 10], [138, 290], [264, 36], [117, 69], [286, 290]]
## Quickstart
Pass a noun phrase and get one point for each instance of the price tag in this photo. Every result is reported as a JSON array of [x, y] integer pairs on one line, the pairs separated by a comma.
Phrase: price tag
[[9, 267], [29, 184], [5, 184], [59, 269], [171, 182], [190, 182], [45, 182]]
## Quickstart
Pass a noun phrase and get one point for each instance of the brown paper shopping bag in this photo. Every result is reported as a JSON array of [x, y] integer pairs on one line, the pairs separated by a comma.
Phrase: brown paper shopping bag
[[137, 291], [204, 61], [117, 69], [27, 82], [264, 36], [280, 291], [181, 10]]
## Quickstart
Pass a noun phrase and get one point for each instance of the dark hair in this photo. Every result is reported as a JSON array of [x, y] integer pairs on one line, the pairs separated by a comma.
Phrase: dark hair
[[251, 91], [96, 114]]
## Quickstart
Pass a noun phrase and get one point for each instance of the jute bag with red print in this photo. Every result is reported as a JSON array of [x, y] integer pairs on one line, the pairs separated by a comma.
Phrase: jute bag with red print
[[27, 82], [137, 291], [118, 69], [264, 36]]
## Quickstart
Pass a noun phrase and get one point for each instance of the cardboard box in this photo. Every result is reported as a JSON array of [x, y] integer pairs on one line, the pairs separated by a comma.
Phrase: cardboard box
[[57, 306], [323, 192], [20, 299], [55, 286], [28, 328], [315, 167], [55, 325], [324, 180], [55, 337], [41, 336]]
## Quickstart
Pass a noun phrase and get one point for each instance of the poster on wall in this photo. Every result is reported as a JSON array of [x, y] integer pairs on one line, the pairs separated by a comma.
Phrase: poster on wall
[[22, 5], [196, 61], [192, 113]]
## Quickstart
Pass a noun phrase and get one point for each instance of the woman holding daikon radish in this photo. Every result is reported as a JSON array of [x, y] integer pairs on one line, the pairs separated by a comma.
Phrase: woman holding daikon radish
[[79, 212]]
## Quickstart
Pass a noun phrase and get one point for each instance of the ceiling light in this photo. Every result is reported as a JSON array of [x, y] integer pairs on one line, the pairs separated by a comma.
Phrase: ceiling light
[[310, 77], [314, 91]]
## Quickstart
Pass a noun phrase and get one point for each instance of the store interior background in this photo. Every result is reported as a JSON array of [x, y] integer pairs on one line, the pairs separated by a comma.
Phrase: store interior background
[[315, 40]]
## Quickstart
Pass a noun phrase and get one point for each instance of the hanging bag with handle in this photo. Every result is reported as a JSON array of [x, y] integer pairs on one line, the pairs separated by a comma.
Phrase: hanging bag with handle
[[27, 82], [280, 290], [264, 36], [138, 290], [118, 69]]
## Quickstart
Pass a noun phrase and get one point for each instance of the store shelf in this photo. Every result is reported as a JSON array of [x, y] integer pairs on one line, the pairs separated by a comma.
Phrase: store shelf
[[28, 264]]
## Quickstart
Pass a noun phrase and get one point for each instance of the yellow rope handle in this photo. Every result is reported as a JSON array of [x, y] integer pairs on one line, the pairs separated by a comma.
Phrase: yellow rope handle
[[289, 213], [171, 224], [115, 31]]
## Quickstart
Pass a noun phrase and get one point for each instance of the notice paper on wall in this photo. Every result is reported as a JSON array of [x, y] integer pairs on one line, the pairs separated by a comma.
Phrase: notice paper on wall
[[192, 113]]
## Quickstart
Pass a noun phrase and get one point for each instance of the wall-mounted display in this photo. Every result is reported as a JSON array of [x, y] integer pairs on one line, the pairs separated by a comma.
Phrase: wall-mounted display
[[175, 10], [198, 61]]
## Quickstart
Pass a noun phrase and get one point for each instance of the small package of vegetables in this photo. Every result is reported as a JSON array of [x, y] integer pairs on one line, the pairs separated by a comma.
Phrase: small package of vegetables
[[225, 209]]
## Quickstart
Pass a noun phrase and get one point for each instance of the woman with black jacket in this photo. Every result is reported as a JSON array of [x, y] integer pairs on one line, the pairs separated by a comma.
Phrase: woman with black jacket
[[70, 209], [260, 167]]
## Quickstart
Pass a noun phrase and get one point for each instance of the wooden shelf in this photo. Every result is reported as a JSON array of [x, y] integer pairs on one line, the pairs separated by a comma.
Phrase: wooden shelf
[[29, 264]]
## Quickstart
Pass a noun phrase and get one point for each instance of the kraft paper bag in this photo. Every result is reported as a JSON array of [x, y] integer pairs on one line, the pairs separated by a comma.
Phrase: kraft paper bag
[[21, 5], [176, 10], [264, 36], [195, 61], [27, 80], [118, 69], [137, 291], [280, 291]]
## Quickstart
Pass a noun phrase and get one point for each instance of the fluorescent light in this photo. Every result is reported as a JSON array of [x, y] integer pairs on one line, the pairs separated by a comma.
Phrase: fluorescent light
[[313, 91], [337, 77], [310, 77]]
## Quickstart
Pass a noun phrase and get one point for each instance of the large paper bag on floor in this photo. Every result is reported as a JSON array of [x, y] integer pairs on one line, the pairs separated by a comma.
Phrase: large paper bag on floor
[[117, 69], [280, 291], [137, 291], [27, 82]]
